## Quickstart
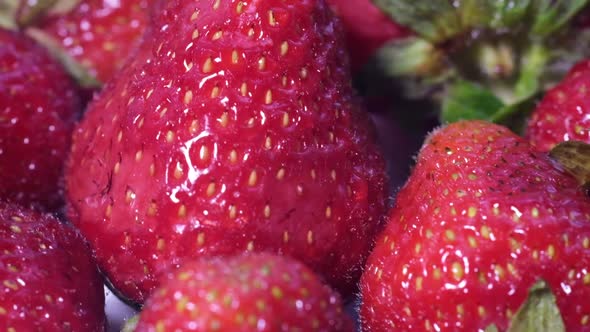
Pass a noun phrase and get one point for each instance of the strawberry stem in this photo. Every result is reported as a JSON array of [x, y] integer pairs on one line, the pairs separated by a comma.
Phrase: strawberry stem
[[75, 69], [533, 62]]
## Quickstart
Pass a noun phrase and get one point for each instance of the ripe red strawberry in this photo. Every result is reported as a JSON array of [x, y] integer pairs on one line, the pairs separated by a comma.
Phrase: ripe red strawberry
[[481, 219], [259, 292], [38, 108], [49, 279], [239, 132], [99, 34], [564, 112], [367, 28]]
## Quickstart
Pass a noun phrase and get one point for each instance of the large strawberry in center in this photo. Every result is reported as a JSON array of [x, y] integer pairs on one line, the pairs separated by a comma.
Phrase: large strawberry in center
[[238, 132]]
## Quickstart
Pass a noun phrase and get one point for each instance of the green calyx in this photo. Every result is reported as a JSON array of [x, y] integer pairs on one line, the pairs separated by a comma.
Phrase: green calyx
[[504, 102], [441, 20], [551, 15], [539, 313], [433, 20], [494, 55]]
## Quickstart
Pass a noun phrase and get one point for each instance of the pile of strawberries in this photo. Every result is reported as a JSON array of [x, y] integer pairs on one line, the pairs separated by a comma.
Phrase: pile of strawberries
[[227, 165]]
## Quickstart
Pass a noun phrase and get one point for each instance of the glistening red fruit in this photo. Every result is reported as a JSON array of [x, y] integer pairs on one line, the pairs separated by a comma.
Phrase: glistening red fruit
[[100, 34], [38, 108], [564, 112], [258, 292], [481, 219], [48, 275], [238, 132]]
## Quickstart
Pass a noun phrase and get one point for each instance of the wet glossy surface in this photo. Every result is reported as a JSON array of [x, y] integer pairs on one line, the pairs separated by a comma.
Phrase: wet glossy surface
[[49, 281], [564, 112], [481, 218], [100, 34], [240, 133], [254, 293], [38, 107], [118, 313]]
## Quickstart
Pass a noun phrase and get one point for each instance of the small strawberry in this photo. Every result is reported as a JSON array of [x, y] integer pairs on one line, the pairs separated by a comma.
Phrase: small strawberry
[[38, 108], [258, 292], [367, 28], [564, 112], [49, 279], [482, 219], [237, 131], [99, 34]]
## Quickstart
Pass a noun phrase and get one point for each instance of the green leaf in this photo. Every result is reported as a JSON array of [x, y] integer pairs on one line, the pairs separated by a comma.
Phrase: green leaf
[[468, 101], [551, 15], [475, 13], [440, 20], [508, 13], [539, 313], [575, 159], [434, 20]]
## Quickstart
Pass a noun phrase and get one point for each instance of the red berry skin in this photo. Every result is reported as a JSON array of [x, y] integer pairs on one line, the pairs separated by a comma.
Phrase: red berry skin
[[367, 29], [49, 278], [482, 217], [100, 34], [258, 292], [38, 108], [237, 131], [564, 112]]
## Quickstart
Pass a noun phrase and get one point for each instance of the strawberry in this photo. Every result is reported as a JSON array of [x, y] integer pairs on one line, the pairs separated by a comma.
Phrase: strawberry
[[367, 28], [99, 34], [564, 112], [238, 131], [38, 108], [482, 218], [49, 278], [259, 292]]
